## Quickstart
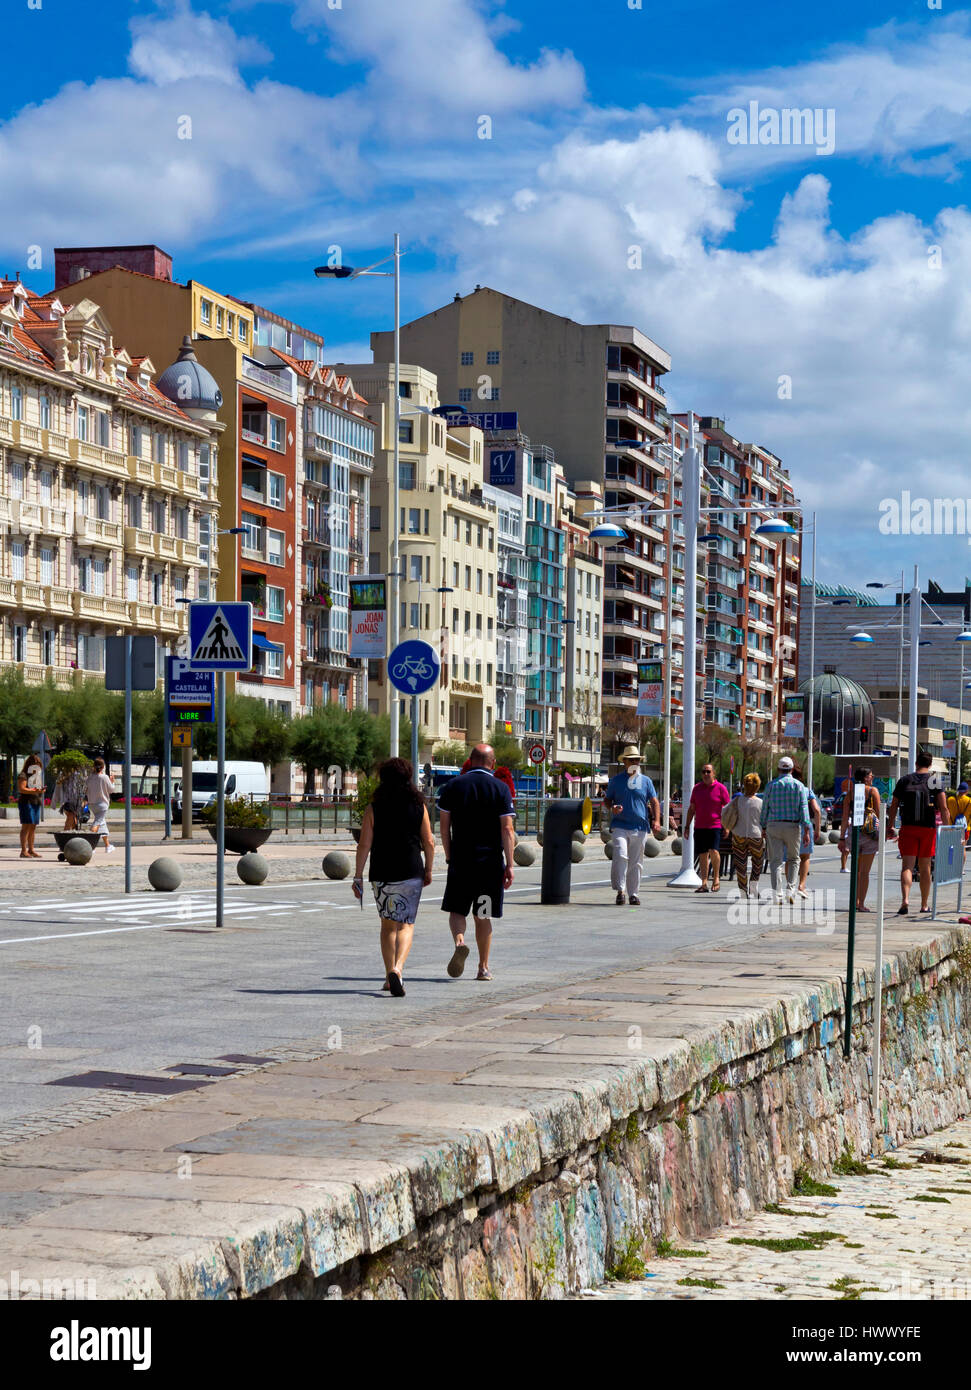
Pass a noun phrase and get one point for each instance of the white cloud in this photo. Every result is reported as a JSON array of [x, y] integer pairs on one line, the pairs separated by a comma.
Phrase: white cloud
[[186, 45]]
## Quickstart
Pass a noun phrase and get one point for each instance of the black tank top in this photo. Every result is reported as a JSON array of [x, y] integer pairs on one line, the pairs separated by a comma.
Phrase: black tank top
[[396, 850]]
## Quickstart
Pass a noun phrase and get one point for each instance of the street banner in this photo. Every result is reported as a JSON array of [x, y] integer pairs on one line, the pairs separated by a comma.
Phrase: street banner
[[950, 738], [650, 689], [369, 616], [795, 725]]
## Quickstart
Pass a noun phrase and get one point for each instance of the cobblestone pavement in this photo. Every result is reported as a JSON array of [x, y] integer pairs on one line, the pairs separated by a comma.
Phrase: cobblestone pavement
[[900, 1231]]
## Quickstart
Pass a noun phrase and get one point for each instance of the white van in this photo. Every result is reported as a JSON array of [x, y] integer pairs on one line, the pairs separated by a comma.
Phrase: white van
[[242, 779]]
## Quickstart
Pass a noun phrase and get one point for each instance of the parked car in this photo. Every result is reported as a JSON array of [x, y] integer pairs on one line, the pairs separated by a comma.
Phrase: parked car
[[242, 779]]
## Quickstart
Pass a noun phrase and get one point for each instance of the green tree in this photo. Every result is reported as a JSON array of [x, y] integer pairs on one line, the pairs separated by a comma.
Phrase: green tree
[[652, 740], [270, 736], [451, 753], [22, 716], [321, 739], [509, 751], [367, 739]]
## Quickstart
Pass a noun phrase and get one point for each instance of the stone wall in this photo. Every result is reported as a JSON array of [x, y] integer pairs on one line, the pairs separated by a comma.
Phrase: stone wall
[[675, 1145]]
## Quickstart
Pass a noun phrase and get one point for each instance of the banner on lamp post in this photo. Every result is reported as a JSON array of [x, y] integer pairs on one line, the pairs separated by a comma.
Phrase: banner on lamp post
[[368, 611], [795, 725], [650, 689], [950, 742]]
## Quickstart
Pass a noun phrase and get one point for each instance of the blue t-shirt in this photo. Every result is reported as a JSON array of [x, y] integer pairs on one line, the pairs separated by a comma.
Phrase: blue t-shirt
[[634, 799]]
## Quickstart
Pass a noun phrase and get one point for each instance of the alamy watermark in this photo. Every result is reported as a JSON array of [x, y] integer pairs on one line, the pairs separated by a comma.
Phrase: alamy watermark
[[788, 125], [907, 515], [817, 909], [14, 1287]]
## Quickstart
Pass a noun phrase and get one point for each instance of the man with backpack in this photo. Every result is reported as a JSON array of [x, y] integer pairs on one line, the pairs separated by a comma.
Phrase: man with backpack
[[919, 798]]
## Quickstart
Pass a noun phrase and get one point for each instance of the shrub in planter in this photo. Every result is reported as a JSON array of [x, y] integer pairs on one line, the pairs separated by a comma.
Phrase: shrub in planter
[[240, 813]]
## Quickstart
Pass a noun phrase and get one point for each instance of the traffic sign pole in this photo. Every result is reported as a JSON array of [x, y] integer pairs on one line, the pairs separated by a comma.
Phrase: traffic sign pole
[[167, 788], [414, 739], [220, 793]]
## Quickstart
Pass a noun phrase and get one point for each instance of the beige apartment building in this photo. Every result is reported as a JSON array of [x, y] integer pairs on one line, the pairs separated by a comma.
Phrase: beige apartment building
[[107, 483], [448, 551], [592, 393]]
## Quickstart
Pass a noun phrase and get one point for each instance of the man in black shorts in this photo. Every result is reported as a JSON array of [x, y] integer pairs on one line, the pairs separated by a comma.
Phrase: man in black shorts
[[476, 819]]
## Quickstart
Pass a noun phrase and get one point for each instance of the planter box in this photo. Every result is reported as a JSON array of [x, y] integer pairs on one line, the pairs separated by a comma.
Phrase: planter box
[[240, 840]]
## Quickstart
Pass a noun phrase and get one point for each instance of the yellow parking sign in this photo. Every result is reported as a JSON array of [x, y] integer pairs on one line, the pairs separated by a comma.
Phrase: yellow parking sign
[[182, 738]]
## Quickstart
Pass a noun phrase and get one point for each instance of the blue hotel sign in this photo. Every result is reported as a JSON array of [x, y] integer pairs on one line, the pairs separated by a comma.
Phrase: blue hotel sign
[[502, 467], [459, 418]]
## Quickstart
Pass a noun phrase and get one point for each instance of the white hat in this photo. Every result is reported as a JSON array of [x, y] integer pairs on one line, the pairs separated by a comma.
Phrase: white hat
[[631, 751], [786, 764]]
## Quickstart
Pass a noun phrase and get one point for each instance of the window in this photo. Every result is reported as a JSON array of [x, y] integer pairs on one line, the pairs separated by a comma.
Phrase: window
[[104, 429], [204, 469], [414, 521], [135, 441], [134, 510], [158, 516], [99, 573], [230, 324], [275, 490], [467, 359], [243, 330], [478, 581], [275, 600], [494, 393], [492, 357], [274, 547], [46, 487], [468, 623], [19, 642], [206, 311], [426, 521], [46, 565], [406, 476], [178, 587], [276, 434], [18, 559], [468, 533], [82, 422], [404, 388], [182, 451], [219, 317], [252, 533], [414, 615], [375, 518], [45, 412], [415, 567], [468, 577], [157, 587], [274, 665], [182, 523], [16, 403], [406, 431], [455, 574], [48, 646], [455, 528], [465, 394], [103, 495], [158, 448], [490, 587], [16, 480], [131, 583]]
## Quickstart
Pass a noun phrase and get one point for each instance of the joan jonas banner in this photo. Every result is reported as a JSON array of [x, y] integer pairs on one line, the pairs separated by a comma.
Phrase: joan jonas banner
[[650, 689], [795, 725], [368, 615]]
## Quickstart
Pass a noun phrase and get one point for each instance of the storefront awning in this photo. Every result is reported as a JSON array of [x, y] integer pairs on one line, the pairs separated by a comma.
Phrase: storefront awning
[[264, 644]]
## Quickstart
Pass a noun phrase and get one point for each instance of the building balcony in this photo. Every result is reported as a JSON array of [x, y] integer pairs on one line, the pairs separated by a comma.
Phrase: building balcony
[[55, 444], [788, 669], [106, 460], [44, 598], [138, 542], [59, 600], [63, 676], [100, 609], [625, 699], [95, 531], [139, 470], [28, 437], [141, 614]]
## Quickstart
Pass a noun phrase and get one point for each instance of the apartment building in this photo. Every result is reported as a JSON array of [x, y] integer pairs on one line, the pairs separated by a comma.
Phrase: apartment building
[[590, 392], [448, 550], [578, 728], [107, 485], [512, 574]]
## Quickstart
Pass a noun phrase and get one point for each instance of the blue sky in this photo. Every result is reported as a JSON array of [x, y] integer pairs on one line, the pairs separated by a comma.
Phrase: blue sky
[[312, 125]]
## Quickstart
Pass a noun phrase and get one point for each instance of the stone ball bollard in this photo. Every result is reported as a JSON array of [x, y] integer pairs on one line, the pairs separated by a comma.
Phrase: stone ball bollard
[[165, 875], [834, 837], [609, 849], [77, 851], [579, 838], [539, 838], [524, 855], [661, 834], [676, 845], [605, 835], [252, 867], [651, 848], [336, 865], [576, 852]]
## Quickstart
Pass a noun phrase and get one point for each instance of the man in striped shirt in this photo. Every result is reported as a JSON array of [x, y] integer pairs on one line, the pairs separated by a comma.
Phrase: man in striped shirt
[[787, 825]]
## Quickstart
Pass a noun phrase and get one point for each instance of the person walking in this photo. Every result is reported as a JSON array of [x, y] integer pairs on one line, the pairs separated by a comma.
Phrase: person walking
[[869, 841], [787, 826], [708, 798], [919, 803], [741, 817], [815, 838], [30, 792], [959, 809], [476, 822], [635, 810], [98, 789], [397, 837]]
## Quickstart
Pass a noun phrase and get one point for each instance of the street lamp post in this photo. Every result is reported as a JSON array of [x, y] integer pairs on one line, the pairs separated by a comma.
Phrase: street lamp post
[[346, 272]]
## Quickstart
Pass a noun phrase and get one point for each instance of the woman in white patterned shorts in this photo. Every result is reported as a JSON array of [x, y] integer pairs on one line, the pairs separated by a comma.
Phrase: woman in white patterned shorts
[[397, 835]]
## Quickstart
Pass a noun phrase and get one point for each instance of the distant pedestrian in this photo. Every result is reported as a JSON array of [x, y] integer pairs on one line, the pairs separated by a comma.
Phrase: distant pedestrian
[[397, 836], [959, 808], [98, 789], [30, 794], [741, 817], [476, 822], [708, 798], [869, 841], [919, 803], [844, 849], [816, 838], [635, 812], [787, 826]]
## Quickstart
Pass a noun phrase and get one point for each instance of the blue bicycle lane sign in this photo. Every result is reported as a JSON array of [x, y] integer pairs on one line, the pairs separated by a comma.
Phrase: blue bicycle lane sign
[[413, 667]]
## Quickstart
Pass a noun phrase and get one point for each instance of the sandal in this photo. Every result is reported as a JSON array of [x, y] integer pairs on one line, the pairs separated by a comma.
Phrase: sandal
[[484, 974], [395, 985], [24, 854], [703, 889], [715, 887]]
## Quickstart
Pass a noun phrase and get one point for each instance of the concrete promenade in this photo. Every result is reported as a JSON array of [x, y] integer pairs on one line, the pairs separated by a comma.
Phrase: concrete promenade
[[352, 1139]]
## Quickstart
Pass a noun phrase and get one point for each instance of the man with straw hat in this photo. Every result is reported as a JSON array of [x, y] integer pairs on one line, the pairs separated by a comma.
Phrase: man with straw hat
[[634, 804]]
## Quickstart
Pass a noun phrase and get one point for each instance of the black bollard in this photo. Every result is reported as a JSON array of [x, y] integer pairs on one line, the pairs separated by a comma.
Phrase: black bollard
[[563, 816]]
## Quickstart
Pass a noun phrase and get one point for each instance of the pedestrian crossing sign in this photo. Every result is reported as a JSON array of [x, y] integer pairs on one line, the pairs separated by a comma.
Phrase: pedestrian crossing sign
[[220, 636]]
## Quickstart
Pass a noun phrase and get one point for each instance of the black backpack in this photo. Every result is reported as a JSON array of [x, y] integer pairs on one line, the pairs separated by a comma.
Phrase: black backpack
[[917, 807]]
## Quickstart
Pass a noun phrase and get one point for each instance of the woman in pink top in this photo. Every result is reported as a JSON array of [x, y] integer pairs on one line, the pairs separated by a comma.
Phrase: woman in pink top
[[705, 810]]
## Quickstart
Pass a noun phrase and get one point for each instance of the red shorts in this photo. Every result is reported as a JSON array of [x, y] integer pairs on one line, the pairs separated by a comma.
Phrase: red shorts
[[917, 840]]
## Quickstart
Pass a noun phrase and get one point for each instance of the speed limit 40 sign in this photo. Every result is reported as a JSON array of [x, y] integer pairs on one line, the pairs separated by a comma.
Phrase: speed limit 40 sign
[[537, 754]]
